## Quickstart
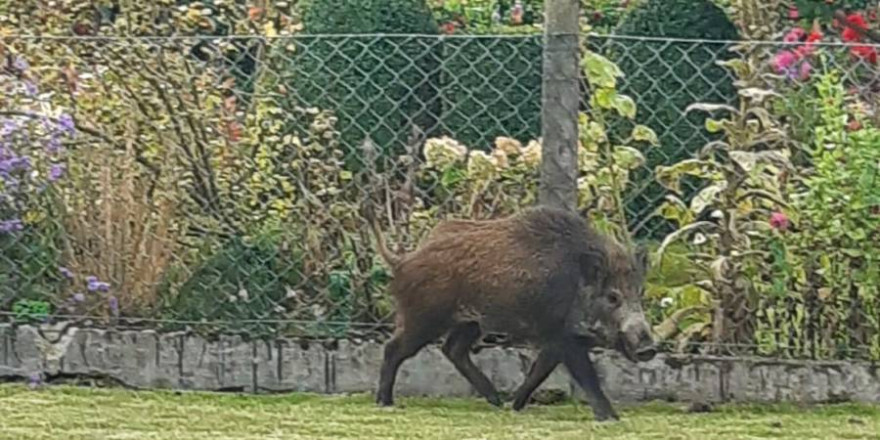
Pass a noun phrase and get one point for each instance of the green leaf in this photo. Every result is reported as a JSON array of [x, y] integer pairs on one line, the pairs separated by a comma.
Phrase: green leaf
[[676, 210], [713, 126], [670, 176], [748, 160], [628, 157], [642, 133], [600, 71], [451, 177], [710, 108], [758, 94], [706, 197], [624, 105], [604, 97], [679, 234], [596, 133]]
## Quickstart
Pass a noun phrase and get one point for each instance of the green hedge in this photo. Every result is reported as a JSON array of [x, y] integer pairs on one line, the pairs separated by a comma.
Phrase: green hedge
[[377, 87], [491, 87]]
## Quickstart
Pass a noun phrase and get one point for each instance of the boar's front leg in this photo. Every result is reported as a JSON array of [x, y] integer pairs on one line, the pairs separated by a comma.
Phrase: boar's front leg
[[548, 359], [576, 359]]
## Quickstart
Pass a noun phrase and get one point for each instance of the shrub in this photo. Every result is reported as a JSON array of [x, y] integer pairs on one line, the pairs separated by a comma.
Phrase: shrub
[[825, 261], [246, 281], [667, 77], [377, 87], [483, 100], [728, 222]]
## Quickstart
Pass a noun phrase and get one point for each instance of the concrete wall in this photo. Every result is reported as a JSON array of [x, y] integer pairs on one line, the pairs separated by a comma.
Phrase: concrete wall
[[147, 359]]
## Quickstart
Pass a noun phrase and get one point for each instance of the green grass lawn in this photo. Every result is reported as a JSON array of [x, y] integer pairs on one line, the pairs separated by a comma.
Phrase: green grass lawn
[[81, 413]]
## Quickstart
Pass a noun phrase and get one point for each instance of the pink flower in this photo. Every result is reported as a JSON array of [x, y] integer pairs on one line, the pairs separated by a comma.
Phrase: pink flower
[[779, 221], [783, 61], [804, 71], [795, 35], [793, 13]]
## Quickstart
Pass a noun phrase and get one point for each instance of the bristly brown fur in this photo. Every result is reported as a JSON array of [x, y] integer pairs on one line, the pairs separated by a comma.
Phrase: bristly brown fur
[[523, 275]]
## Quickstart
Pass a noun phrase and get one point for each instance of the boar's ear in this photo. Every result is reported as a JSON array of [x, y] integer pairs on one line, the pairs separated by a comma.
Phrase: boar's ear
[[593, 265]]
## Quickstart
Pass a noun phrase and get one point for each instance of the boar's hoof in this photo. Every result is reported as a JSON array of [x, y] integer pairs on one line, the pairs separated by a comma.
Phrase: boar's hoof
[[606, 416], [495, 400]]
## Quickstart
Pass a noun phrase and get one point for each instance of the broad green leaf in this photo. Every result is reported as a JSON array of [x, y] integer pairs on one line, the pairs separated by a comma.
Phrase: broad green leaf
[[642, 133], [739, 66], [670, 176], [748, 160], [624, 105], [706, 197], [681, 233], [628, 157], [600, 71], [596, 133], [604, 97], [676, 210]]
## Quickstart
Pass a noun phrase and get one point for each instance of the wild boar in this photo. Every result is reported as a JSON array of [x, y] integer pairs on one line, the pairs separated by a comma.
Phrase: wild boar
[[543, 276]]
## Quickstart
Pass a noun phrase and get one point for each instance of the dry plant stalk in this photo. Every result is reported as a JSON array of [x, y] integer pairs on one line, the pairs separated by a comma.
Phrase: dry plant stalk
[[122, 224]]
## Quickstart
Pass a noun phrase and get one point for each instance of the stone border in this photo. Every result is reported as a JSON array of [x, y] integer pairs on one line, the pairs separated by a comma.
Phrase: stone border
[[146, 359]]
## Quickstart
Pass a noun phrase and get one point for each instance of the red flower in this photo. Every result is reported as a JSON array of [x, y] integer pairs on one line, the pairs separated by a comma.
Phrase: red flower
[[809, 47], [779, 221], [851, 35], [853, 22], [866, 53], [449, 27]]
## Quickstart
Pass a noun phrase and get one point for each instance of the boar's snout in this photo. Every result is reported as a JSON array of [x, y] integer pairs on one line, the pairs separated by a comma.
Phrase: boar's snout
[[639, 345]]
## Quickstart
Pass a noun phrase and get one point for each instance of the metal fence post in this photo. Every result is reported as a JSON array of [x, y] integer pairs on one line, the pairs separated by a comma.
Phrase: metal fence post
[[559, 105]]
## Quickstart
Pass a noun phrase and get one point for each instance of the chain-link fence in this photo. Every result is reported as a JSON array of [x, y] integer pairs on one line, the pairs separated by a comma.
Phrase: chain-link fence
[[218, 182]]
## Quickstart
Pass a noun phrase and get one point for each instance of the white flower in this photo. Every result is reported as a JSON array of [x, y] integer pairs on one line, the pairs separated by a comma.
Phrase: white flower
[[666, 302]]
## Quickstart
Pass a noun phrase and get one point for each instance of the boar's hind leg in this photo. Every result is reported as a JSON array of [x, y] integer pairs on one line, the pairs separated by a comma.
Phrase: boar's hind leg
[[548, 359], [457, 349], [406, 342], [577, 361]]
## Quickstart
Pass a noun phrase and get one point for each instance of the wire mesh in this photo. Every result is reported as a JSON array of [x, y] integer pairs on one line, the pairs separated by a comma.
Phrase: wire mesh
[[188, 180]]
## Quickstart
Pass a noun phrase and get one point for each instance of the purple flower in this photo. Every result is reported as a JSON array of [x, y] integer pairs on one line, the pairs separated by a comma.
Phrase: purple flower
[[66, 273], [9, 127], [53, 145], [20, 64], [15, 163], [114, 305], [7, 226], [56, 171], [30, 88], [97, 286], [79, 297], [65, 121]]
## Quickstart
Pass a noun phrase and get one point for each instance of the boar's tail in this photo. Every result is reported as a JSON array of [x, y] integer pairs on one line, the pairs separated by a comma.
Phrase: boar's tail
[[391, 258]]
